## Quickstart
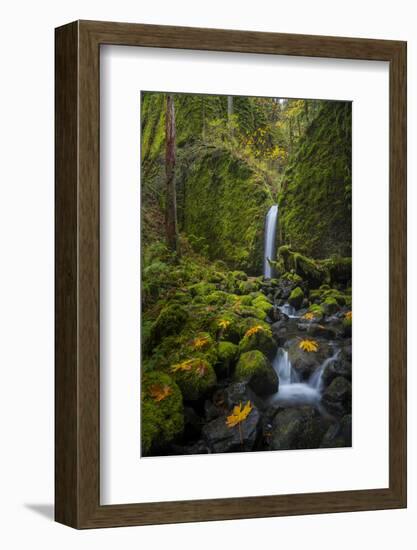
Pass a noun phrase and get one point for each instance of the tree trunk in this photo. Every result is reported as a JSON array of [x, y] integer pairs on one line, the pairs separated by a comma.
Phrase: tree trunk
[[171, 200], [229, 106]]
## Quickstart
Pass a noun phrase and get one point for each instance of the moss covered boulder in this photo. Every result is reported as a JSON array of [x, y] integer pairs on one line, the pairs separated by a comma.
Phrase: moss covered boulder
[[258, 338], [195, 377], [227, 353], [296, 297], [170, 321], [307, 269], [255, 368], [162, 417]]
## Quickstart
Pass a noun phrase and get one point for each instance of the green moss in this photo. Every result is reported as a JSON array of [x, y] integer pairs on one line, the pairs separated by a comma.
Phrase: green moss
[[330, 306], [317, 310], [260, 340], [170, 321], [197, 381], [251, 311], [315, 198], [261, 302], [305, 268], [161, 421], [227, 355], [239, 275], [251, 363], [296, 297], [225, 204], [246, 287], [202, 288]]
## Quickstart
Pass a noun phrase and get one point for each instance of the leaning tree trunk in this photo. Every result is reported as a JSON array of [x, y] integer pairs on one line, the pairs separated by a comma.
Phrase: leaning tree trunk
[[171, 200]]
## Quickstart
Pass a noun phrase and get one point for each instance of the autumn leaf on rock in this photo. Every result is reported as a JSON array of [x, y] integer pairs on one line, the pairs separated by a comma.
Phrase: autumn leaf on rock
[[253, 330], [159, 392], [223, 323], [308, 316], [196, 365], [200, 342], [184, 366], [308, 345], [238, 414]]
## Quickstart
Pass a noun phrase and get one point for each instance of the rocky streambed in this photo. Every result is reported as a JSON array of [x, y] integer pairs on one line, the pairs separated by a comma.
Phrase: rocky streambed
[[293, 368]]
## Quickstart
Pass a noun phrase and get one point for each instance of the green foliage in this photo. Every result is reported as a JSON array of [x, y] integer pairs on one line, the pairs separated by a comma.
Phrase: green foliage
[[315, 199], [163, 420], [225, 206]]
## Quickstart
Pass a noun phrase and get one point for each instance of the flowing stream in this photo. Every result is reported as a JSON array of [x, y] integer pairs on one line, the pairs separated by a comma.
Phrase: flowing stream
[[291, 390], [270, 249]]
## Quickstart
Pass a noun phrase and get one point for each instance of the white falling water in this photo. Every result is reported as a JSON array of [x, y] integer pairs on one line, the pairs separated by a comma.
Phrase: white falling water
[[291, 391], [270, 240]]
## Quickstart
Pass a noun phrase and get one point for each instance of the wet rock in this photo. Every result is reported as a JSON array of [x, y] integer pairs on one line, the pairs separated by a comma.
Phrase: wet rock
[[298, 428], [284, 330], [192, 423], [221, 439], [305, 362], [337, 398], [198, 448], [339, 434], [339, 367]]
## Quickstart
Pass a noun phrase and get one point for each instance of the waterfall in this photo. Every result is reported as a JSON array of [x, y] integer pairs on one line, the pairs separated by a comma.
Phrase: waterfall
[[317, 376], [291, 391], [270, 240]]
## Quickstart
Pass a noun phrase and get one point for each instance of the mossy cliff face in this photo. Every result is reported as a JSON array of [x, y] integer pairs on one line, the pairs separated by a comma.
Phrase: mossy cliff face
[[225, 205], [315, 199], [221, 200]]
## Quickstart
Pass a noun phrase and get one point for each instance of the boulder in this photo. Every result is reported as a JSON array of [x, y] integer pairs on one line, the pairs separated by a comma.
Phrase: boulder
[[339, 434], [255, 369], [259, 338], [227, 353], [296, 297], [339, 367], [220, 438], [337, 397], [298, 428]]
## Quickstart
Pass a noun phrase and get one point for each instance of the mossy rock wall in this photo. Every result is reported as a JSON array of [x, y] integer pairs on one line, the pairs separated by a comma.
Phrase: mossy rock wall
[[224, 209], [315, 198]]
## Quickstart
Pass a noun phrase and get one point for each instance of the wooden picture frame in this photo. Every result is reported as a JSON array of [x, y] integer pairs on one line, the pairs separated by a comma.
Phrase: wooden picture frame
[[77, 405]]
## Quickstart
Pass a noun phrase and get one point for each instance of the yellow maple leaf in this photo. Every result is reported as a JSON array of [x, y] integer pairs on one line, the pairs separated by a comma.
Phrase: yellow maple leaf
[[308, 345], [158, 392], [223, 323], [185, 365], [197, 365], [254, 330], [238, 414], [200, 342], [309, 316], [348, 315]]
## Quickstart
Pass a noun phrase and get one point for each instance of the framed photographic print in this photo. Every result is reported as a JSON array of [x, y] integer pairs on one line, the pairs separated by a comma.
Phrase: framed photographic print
[[230, 274]]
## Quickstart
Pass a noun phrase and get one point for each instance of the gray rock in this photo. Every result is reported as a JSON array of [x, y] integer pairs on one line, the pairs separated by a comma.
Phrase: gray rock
[[337, 398], [222, 439]]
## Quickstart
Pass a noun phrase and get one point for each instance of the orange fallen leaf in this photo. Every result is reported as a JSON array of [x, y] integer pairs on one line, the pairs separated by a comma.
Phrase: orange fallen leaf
[[159, 392], [238, 414], [308, 345], [253, 330]]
